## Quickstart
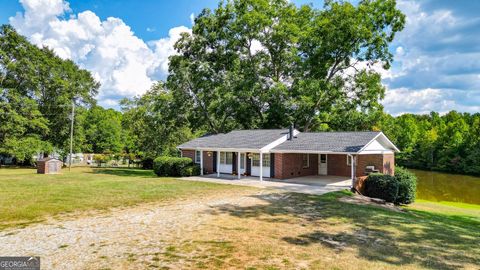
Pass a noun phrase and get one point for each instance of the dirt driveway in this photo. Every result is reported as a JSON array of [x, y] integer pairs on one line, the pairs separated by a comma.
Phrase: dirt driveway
[[120, 238]]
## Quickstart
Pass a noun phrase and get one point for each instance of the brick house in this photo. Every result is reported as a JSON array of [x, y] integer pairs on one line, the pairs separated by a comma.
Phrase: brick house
[[288, 153]]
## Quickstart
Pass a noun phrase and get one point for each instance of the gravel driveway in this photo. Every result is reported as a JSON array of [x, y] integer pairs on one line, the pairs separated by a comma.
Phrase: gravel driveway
[[111, 239]]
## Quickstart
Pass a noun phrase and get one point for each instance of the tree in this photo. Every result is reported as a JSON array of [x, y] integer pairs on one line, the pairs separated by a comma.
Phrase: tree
[[266, 63], [37, 90], [153, 125], [103, 130]]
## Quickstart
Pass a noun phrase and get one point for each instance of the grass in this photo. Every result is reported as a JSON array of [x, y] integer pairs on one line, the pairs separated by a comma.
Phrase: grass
[[27, 197], [272, 231], [319, 232]]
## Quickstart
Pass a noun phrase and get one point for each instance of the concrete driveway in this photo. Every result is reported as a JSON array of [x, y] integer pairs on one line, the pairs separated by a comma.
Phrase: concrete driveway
[[307, 184]]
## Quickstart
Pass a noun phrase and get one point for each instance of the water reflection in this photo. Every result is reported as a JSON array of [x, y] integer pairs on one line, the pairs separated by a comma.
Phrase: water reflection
[[437, 186]]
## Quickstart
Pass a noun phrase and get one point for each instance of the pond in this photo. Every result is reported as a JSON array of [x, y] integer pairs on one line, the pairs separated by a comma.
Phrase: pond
[[438, 186]]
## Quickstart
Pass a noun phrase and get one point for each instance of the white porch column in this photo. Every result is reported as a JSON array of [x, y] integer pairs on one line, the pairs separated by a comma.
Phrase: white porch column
[[238, 165], [201, 162], [218, 163], [261, 166]]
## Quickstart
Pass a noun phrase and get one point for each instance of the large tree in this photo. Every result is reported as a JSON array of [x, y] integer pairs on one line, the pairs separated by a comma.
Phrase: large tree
[[266, 63], [153, 125], [37, 90], [103, 131]]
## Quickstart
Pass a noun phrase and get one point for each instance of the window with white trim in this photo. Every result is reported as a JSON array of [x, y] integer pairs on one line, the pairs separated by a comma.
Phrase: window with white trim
[[226, 157], [197, 156], [256, 160], [265, 160], [306, 160]]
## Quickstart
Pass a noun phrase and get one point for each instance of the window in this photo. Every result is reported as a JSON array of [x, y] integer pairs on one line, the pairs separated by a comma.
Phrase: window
[[306, 160], [349, 161], [256, 160], [266, 160], [323, 158], [197, 156], [229, 157], [226, 157], [242, 161]]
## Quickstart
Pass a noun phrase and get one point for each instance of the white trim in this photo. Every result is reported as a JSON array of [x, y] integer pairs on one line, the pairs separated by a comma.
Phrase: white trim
[[218, 163], [309, 152], [376, 137], [261, 166], [200, 160], [376, 152], [320, 164], [352, 165]]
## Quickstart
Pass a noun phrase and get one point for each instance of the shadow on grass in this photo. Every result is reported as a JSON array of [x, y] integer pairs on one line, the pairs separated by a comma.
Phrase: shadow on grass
[[428, 239], [125, 172]]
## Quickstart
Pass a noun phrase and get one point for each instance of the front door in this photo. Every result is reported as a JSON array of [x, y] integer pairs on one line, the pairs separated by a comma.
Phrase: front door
[[242, 163], [322, 164]]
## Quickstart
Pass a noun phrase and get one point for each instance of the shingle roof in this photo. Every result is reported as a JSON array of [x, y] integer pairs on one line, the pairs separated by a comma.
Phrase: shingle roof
[[328, 141], [242, 139]]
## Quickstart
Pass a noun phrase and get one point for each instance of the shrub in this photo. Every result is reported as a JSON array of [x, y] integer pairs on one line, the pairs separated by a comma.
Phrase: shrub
[[170, 166], [381, 186], [147, 163], [191, 170], [407, 186]]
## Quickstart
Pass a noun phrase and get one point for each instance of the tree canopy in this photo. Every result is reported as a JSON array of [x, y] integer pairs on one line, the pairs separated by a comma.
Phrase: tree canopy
[[266, 63], [37, 89]]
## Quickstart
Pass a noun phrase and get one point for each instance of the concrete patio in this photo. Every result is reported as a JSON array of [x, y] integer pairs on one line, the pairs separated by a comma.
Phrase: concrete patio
[[315, 184]]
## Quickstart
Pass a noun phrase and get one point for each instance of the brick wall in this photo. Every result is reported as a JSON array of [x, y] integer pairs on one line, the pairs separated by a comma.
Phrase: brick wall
[[385, 163], [207, 160], [337, 165], [189, 154], [289, 165]]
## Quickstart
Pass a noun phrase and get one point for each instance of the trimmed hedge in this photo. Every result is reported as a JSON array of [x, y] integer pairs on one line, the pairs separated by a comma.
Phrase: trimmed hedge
[[407, 188], [191, 170], [381, 186], [172, 166], [398, 189]]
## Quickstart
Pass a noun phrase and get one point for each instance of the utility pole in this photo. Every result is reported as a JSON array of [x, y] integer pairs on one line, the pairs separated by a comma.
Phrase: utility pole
[[71, 136]]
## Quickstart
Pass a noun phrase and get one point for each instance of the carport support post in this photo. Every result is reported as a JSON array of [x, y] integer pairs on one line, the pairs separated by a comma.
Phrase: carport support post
[[261, 166], [352, 164], [238, 165], [218, 163], [201, 162]]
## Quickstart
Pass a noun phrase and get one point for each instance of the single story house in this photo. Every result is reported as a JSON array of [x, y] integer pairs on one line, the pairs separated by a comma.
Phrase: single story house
[[288, 153]]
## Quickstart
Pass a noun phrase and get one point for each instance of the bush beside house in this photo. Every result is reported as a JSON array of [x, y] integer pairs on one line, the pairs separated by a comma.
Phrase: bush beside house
[[407, 185], [175, 166], [398, 189]]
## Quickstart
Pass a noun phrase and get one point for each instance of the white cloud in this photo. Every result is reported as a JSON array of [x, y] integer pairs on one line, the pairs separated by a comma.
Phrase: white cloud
[[437, 63], [402, 100], [123, 63]]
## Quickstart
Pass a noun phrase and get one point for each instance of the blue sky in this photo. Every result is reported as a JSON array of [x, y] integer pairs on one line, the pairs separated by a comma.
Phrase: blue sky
[[126, 44]]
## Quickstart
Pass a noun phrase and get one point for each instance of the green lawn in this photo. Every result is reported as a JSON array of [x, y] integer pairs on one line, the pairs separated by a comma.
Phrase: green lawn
[[278, 231], [27, 197], [321, 232]]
